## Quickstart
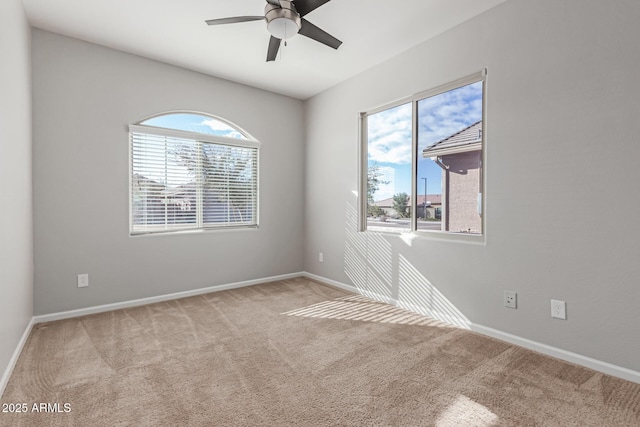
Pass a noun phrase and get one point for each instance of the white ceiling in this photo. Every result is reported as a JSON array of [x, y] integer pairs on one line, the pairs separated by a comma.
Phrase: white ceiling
[[174, 31]]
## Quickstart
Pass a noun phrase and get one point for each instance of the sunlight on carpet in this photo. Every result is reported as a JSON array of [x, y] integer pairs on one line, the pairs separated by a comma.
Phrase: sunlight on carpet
[[466, 412], [357, 307]]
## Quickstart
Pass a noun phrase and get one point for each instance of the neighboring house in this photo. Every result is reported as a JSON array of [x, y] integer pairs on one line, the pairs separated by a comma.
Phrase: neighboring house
[[155, 204], [460, 157], [433, 207]]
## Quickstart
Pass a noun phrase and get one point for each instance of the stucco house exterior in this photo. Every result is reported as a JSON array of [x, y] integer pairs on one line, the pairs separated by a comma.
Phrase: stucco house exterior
[[460, 157]]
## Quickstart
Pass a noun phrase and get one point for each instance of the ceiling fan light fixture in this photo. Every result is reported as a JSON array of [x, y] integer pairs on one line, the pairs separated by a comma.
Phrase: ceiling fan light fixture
[[282, 22], [283, 28]]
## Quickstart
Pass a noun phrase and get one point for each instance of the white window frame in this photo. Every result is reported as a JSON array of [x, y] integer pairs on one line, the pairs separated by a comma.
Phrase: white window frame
[[247, 141], [363, 164]]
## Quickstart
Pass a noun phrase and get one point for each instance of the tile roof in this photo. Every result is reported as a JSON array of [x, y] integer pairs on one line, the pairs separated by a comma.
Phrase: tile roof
[[468, 139]]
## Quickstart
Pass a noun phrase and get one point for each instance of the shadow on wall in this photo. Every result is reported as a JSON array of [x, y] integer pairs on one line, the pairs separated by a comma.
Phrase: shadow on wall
[[380, 272]]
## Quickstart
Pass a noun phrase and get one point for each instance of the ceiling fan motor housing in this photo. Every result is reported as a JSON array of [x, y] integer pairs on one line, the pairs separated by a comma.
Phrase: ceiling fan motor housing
[[282, 22]]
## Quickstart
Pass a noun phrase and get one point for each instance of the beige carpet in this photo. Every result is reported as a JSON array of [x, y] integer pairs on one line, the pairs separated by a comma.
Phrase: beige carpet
[[297, 353]]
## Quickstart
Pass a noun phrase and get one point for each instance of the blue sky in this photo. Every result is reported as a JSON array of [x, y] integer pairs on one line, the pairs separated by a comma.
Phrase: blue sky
[[390, 134], [181, 121], [194, 123]]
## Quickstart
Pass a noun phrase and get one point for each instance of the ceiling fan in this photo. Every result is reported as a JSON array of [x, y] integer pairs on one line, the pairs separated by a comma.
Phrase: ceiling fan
[[284, 20]]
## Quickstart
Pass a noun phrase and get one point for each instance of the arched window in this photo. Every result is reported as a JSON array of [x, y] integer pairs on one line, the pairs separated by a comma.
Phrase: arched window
[[192, 171]]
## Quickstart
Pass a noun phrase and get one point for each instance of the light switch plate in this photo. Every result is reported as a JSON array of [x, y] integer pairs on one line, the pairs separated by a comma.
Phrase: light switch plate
[[559, 309]]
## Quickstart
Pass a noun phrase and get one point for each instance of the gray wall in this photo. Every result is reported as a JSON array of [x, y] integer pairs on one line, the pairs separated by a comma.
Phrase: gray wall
[[562, 141], [16, 229], [84, 97]]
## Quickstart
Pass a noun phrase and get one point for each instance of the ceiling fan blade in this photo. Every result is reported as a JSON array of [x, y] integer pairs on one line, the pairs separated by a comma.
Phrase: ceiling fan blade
[[274, 2], [274, 45], [305, 6], [234, 20], [315, 33]]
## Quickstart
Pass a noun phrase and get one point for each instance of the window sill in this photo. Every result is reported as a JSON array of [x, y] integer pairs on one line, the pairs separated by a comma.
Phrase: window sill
[[443, 236], [192, 231]]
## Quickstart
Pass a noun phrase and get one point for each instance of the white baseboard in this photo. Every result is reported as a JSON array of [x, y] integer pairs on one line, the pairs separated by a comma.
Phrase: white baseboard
[[335, 284], [578, 359], [567, 356], [14, 358], [144, 301]]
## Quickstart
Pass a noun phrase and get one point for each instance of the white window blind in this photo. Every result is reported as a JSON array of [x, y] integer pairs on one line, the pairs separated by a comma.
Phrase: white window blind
[[181, 183]]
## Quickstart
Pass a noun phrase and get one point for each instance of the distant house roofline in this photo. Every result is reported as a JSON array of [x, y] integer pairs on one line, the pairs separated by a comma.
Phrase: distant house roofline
[[432, 200]]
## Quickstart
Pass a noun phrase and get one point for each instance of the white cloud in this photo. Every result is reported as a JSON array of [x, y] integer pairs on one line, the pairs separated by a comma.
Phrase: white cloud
[[448, 113], [216, 124], [394, 148], [389, 134], [439, 117], [220, 128]]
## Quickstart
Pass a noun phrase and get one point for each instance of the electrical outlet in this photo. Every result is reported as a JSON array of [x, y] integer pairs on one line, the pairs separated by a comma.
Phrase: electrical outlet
[[558, 309], [510, 299], [321, 257], [83, 280]]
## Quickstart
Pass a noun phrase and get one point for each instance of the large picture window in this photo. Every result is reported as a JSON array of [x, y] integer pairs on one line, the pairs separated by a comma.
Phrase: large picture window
[[192, 171], [423, 158]]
